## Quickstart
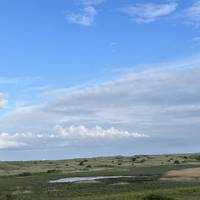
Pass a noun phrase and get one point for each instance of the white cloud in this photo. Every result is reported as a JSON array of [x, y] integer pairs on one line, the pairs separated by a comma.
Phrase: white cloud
[[192, 14], [3, 100], [7, 144], [112, 44], [7, 141], [91, 2], [18, 80], [80, 132], [159, 102], [149, 12], [85, 18], [64, 136]]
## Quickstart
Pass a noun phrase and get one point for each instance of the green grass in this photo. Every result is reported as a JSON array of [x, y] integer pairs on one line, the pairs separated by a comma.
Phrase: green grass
[[29, 180]]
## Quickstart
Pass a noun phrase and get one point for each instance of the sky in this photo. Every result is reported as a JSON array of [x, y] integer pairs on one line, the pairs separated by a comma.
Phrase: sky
[[84, 78]]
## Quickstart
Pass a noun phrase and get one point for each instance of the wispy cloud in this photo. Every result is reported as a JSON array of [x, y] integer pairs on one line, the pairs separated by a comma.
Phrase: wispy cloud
[[91, 2], [192, 14], [3, 100], [87, 14], [149, 12], [196, 41], [85, 18], [113, 46], [18, 80]]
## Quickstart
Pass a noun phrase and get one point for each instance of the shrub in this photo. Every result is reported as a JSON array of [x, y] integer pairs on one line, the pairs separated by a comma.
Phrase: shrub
[[81, 163], [176, 162], [104, 166], [51, 171], [9, 197], [197, 157], [119, 163], [25, 174], [141, 161], [157, 197], [134, 159]]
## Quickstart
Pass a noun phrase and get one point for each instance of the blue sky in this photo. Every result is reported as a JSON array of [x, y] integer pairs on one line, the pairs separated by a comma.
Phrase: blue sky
[[85, 77]]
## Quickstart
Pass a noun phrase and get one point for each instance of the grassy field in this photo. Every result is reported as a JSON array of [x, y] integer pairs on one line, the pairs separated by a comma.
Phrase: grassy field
[[148, 179]]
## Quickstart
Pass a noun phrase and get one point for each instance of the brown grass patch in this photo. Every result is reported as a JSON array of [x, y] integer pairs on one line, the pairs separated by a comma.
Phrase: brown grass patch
[[191, 174]]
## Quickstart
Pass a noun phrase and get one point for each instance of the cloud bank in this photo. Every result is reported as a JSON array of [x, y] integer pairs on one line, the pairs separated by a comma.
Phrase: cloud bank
[[159, 103]]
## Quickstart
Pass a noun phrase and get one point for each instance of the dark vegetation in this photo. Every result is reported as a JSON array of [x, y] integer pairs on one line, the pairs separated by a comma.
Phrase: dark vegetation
[[157, 197]]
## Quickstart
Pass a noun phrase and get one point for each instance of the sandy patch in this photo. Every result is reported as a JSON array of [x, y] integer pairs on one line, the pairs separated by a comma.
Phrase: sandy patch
[[191, 174]]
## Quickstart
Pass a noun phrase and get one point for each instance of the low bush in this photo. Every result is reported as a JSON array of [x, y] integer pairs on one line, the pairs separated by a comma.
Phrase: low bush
[[157, 197], [82, 162], [134, 159], [105, 166], [197, 157], [25, 174], [52, 171], [9, 197], [176, 162]]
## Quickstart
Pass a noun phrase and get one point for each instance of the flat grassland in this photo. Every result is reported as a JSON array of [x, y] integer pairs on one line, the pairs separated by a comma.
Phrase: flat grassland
[[161, 177]]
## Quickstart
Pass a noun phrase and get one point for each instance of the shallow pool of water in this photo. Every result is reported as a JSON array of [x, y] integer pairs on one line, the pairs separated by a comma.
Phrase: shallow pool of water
[[79, 179]]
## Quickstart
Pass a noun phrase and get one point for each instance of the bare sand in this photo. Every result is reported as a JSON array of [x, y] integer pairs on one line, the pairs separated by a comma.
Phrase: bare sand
[[190, 174]]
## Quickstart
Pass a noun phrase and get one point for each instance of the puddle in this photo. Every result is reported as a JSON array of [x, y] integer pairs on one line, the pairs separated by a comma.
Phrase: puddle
[[80, 179]]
